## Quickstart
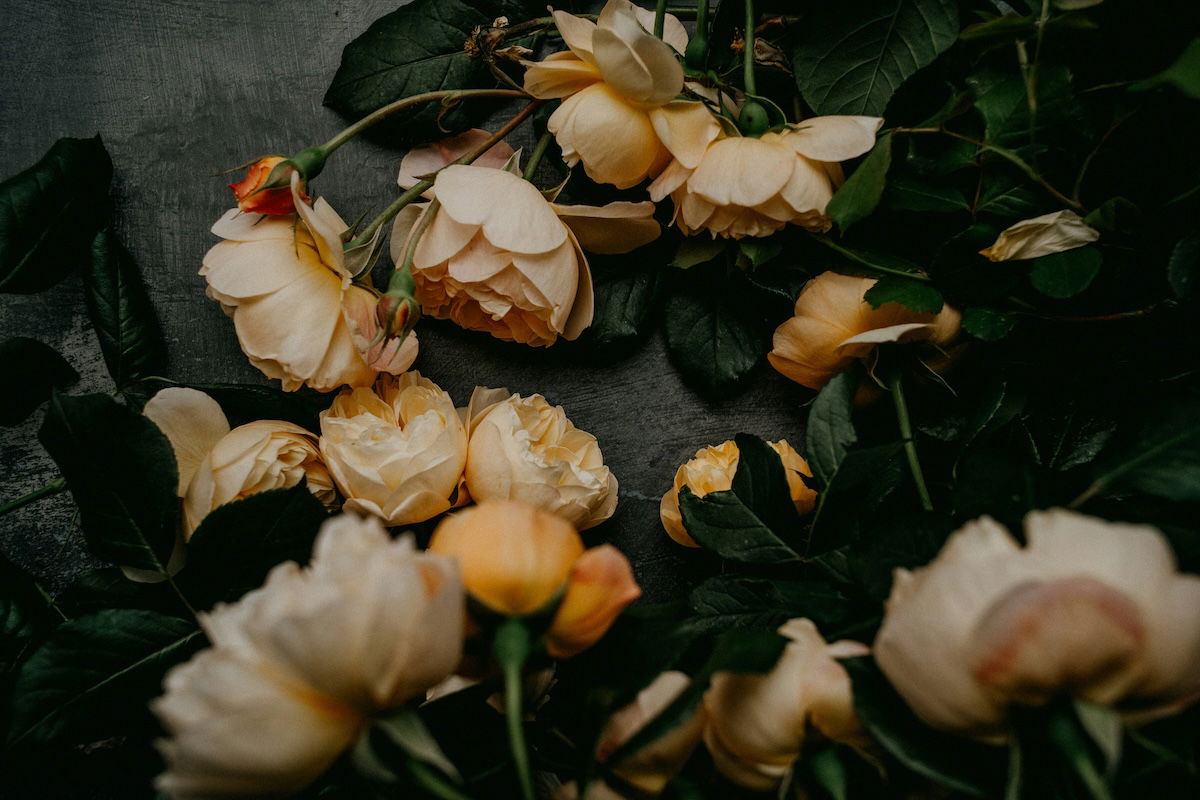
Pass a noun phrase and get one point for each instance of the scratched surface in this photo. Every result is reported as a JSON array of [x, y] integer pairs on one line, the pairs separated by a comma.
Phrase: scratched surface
[[181, 90]]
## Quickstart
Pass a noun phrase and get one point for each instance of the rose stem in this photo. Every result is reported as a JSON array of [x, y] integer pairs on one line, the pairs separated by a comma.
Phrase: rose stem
[[53, 487], [431, 782], [512, 647], [535, 157], [748, 51], [660, 18], [896, 385]]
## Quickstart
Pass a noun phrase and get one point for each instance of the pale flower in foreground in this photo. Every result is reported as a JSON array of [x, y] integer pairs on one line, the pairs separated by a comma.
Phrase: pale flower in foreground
[[498, 257], [1041, 236], [1088, 608], [396, 450], [833, 326], [298, 667], [745, 186], [618, 82], [712, 470], [651, 768], [218, 465], [523, 448], [285, 282], [757, 724]]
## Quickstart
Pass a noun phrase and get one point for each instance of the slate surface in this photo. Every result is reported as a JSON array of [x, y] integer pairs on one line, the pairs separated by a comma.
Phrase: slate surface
[[182, 90]]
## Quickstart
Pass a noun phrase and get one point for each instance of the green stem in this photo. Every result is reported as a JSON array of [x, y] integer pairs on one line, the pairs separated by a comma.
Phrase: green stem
[[748, 52], [433, 783], [696, 55], [660, 17], [853, 256], [535, 157], [512, 645], [53, 487], [179, 593], [405, 266], [896, 384]]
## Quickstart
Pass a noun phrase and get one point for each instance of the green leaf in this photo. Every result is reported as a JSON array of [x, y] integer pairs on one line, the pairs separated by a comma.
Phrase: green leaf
[[1183, 269], [121, 471], [418, 48], [760, 481], [50, 212], [861, 192], [115, 658], [1067, 431], [987, 324], [1159, 454], [1007, 197], [694, 250], [851, 57], [760, 251], [961, 764], [1001, 98], [914, 295], [122, 314], [1184, 74], [244, 403], [904, 193], [23, 616], [29, 372], [1065, 274], [830, 429], [625, 295], [407, 731], [723, 523], [240, 542], [725, 602], [714, 337], [1009, 26]]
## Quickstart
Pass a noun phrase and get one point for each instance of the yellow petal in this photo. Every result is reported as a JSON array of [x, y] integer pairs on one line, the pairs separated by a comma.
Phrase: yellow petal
[[674, 33], [582, 310], [559, 77], [686, 129], [576, 33], [641, 67], [742, 171], [834, 138], [513, 214], [615, 140], [192, 421], [613, 228]]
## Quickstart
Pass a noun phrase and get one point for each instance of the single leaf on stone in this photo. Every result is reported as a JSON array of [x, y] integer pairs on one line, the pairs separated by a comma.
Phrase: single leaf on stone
[[50, 212], [122, 314], [830, 429], [714, 337], [987, 324], [850, 57], [1065, 274], [861, 192], [29, 372], [914, 295]]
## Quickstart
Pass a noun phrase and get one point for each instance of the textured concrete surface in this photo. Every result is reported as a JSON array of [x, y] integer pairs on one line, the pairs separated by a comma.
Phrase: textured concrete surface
[[183, 89]]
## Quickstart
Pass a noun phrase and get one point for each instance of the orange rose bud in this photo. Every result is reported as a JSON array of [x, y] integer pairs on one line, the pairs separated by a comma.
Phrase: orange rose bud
[[601, 586], [253, 199]]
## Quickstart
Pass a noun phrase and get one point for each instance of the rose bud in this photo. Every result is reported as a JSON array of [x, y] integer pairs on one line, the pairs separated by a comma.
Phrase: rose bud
[[833, 326], [396, 450], [1090, 609], [757, 724], [298, 668], [522, 448], [253, 199], [712, 470], [600, 588], [382, 330]]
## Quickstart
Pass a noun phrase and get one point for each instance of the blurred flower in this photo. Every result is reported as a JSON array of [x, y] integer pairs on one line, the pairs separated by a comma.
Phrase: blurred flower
[[297, 667], [619, 84], [757, 724], [252, 199], [523, 448], [1087, 608], [600, 588], [746, 186], [1041, 236], [833, 326], [218, 465], [396, 450], [285, 282], [712, 470]]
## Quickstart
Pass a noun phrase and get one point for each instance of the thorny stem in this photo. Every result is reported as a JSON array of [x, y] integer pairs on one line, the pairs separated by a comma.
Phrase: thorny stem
[[896, 384], [53, 487]]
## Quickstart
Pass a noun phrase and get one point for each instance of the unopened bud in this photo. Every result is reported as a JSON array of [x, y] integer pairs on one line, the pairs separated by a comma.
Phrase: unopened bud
[[257, 192], [753, 119], [396, 315]]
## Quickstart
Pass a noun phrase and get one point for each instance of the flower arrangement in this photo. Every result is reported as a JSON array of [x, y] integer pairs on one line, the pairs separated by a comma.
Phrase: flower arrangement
[[969, 569]]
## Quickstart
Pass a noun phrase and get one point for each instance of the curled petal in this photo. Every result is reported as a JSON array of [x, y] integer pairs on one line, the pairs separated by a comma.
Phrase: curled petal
[[834, 138], [686, 129], [642, 67], [523, 224], [576, 33], [613, 228], [1041, 236]]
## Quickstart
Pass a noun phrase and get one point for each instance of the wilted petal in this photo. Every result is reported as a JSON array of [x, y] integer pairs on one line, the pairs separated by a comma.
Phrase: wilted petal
[[1041, 236], [613, 228]]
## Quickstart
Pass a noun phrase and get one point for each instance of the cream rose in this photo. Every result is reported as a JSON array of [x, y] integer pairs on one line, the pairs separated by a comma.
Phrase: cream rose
[[712, 470], [285, 282], [297, 667], [757, 724], [1087, 608], [523, 448], [833, 326], [396, 450], [745, 186], [218, 465]]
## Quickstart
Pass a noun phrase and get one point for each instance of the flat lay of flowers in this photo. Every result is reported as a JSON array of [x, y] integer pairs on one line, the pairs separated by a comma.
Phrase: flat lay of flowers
[[962, 237]]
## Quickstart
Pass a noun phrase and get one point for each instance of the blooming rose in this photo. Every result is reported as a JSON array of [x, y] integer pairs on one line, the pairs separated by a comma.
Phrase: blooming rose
[[285, 282], [218, 465], [523, 448], [1041, 236], [619, 84], [297, 667], [518, 560], [496, 257], [253, 200], [1088, 608], [746, 186], [833, 326], [396, 450], [757, 724], [712, 470]]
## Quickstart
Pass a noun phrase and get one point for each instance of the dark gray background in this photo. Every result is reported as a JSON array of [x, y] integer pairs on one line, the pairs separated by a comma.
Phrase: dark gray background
[[182, 90]]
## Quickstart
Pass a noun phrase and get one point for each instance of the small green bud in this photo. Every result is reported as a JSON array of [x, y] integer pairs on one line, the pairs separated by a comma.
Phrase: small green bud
[[754, 119]]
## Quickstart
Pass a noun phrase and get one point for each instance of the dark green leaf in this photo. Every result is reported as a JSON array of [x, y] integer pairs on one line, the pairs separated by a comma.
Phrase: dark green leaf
[[23, 615], [737, 601], [121, 471], [842, 504], [114, 657], [760, 251], [714, 337], [625, 292], [859, 195], [830, 429], [909, 194], [1065, 274], [1184, 74], [694, 250], [912, 294], [1009, 26], [1183, 270], [724, 524], [1002, 100], [761, 482], [987, 324], [1159, 454], [1067, 432], [122, 313], [1007, 197], [238, 543], [851, 57], [29, 371], [244, 403], [108, 587], [50, 212]]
